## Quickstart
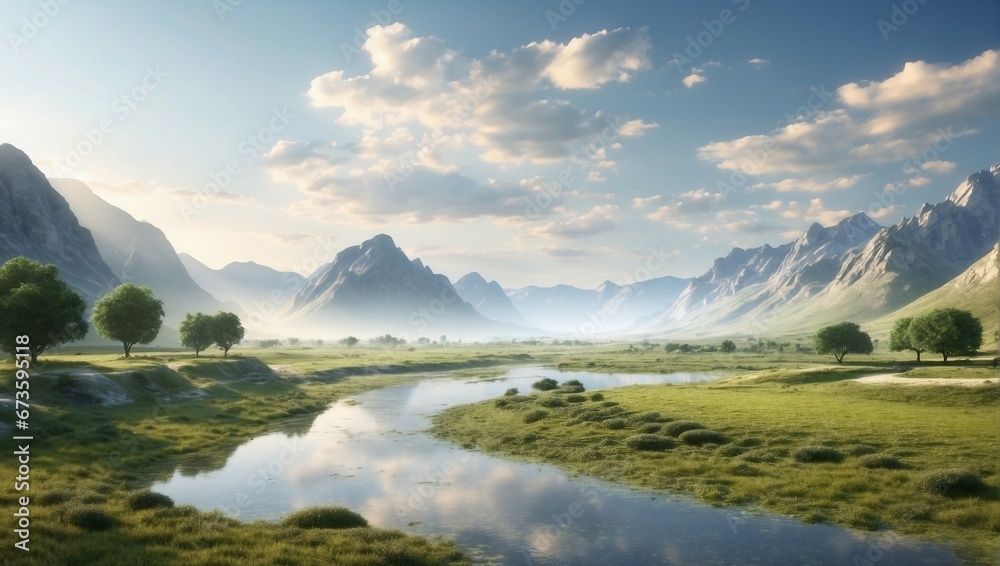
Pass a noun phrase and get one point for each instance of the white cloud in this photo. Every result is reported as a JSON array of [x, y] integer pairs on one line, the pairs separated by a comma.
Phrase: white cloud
[[693, 79], [758, 62], [599, 219], [918, 182], [811, 185], [504, 102], [885, 212], [815, 212], [877, 122], [939, 166]]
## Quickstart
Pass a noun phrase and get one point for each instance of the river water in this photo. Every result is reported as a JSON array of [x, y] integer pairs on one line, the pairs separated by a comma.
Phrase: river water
[[372, 454]]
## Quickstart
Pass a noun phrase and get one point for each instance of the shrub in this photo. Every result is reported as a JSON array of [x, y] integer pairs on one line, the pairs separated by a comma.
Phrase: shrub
[[677, 427], [609, 403], [731, 450], [698, 437], [575, 382], [650, 428], [758, 456], [535, 416], [501, 403], [146, 499], [879, 461], [647, 417], [953, 482], [552, 402], [545, 384], [816, 454], [616, 424], [511, 391], [596, 397], [325, 517], [648, 442], [574, 398], [89, 518], [572, 389]]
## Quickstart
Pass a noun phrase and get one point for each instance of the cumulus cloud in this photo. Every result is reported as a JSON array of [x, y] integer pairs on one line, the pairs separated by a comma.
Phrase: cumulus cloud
[[598, 220], [758, 62], [816, 211], [939, 166], [503, 102], [693, 79], [810, 185], [685, 204], [876, 121], [417, 194]]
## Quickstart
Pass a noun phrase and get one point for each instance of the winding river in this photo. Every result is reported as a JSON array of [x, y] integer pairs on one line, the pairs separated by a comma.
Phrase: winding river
[[373, 455]]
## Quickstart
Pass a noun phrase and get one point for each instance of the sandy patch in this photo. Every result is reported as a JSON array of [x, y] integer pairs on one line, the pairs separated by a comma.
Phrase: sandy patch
[[898, 379]]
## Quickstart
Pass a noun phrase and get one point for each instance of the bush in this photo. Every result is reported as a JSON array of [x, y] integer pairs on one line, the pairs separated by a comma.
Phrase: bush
[[816, 454], [648, 442], [552, 402], [758, 456], [535, 416], [501, 403], [510, 392], [576, 398], [596, 397], [647, 417], [616, 424], [879, 461], [572, 389], [146, 499], [731, 450], [698, 437], [545, 384], [89, 518], [953, 482], [677, 427], [325, 517], [575, 382], [650, 428]]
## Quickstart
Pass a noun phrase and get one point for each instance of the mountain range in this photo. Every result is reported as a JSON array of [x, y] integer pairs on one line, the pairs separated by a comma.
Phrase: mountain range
[[945, 255]]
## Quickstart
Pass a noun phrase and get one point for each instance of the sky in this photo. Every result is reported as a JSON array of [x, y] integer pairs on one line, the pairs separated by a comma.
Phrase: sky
[[536, 142]]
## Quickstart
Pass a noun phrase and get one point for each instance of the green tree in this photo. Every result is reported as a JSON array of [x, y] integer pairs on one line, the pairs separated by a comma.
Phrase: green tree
[[728, 346], [947, 332], [842, 339], [196, 332], [36, 303], [227, 331], [900, 338], [350, 341], [129, 314]]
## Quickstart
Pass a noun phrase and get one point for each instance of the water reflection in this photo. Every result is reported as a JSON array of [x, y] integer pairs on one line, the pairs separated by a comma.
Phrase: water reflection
[[370, 455]]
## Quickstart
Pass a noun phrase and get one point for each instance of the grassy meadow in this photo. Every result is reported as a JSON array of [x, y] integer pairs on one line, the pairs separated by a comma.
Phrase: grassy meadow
[[89, 463]]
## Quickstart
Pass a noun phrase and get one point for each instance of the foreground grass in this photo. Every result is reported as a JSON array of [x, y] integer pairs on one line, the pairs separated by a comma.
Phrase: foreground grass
[[86, 459], [768, 417]]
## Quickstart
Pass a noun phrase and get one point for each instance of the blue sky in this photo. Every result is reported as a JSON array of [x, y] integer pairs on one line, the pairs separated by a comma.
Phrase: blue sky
[[534, 142]]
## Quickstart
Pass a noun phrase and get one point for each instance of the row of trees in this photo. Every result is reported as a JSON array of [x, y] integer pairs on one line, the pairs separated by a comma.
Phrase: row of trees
[[36, 302], [944, 331], [200, 331]]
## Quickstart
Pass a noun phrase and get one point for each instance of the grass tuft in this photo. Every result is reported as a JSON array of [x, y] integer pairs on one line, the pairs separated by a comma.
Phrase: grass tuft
[[816, 455], [701, 436], [951, 482], [146, 499], [89, 517], [534, 416], [676, 428], [325, 517], [879, 462], [648, 442]]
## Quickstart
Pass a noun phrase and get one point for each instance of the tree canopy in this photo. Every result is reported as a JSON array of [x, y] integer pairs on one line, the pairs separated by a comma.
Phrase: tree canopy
[[842, 339], [129, 314], [947, 332], [728, 346], [196, 332], [899, 338], [227, 331], [35, 302]]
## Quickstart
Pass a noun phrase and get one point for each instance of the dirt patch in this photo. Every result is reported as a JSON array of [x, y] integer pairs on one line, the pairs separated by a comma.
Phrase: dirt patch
[[898, 379]]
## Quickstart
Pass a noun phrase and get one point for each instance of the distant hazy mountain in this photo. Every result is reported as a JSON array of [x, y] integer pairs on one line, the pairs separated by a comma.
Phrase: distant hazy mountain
[[256, 288], [138, 252], [38, 223], [592, 312], [374, 289], [488, 298]]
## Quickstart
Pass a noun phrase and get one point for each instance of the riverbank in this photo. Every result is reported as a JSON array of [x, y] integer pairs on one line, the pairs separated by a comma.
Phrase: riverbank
[[104, 427], [801, 440]]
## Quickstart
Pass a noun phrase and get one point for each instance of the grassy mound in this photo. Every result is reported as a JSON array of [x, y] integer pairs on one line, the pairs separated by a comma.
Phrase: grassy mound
[[816, 455], [146, 499], [951, 482], [325, 517], [648, 442]]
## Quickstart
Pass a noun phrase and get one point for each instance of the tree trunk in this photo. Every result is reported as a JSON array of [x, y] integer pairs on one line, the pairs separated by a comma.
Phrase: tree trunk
[[918, 356], [945, 356], [128, 348]]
